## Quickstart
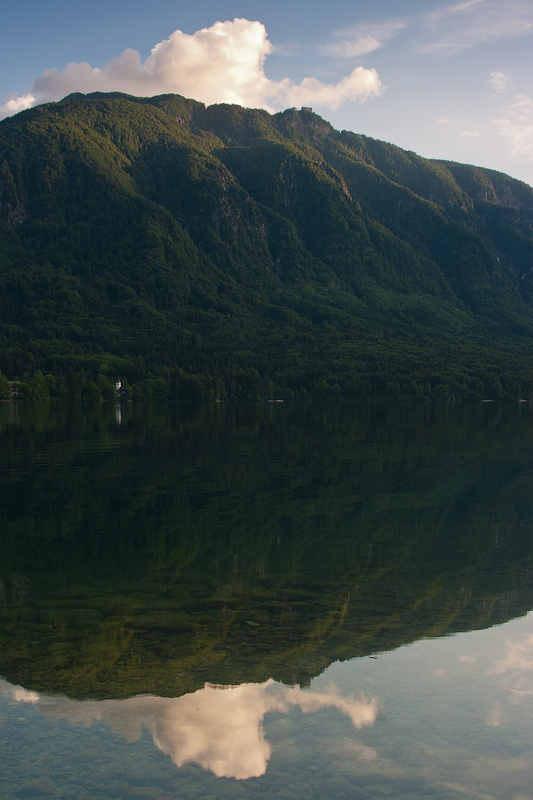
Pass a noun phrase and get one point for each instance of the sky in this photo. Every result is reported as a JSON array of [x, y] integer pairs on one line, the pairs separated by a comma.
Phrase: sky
[[449, 80]]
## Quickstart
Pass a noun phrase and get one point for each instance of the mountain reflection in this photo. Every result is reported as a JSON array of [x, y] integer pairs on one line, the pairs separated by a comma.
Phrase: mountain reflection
[[218, 727], [228, 545]]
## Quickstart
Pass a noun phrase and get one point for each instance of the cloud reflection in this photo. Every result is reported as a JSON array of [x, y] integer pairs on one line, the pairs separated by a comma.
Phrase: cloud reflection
[[18, 694], [494, 717], [517, 666], [217, 727]]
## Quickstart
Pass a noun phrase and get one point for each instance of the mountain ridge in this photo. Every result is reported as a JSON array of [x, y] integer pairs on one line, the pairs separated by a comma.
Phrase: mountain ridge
[[220, 252]]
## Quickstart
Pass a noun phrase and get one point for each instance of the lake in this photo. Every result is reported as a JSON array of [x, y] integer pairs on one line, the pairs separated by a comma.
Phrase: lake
[[266, 601]]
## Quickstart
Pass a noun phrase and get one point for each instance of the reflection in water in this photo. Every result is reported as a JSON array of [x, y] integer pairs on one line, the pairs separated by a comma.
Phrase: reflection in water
[[194, 545], [517, 666], [146, 563], [18, 694], [218, 727]]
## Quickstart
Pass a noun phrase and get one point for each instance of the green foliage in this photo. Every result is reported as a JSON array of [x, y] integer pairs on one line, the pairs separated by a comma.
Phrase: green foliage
[[224, 253]]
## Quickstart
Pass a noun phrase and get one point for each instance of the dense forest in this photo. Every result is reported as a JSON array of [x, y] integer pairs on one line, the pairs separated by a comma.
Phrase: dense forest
[[225, 253]]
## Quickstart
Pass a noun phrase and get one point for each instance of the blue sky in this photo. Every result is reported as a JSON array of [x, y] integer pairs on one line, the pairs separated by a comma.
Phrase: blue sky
[[451, 80]]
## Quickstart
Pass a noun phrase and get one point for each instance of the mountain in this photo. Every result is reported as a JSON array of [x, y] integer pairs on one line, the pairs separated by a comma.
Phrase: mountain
[[223, 252]]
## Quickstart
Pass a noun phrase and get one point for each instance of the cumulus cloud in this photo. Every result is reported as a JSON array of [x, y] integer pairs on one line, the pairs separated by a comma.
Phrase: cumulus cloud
[[15, 104], [517, 127], [219, 728], [220, 64]]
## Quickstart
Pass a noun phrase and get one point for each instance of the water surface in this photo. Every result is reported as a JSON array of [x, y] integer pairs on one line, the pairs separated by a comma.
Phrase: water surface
[[293, 601]]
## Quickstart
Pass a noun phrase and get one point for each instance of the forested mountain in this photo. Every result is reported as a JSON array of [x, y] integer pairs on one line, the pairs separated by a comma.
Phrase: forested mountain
[[223, 252]]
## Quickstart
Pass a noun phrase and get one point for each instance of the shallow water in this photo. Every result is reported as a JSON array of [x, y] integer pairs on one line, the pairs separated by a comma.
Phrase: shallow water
[[293, 601]]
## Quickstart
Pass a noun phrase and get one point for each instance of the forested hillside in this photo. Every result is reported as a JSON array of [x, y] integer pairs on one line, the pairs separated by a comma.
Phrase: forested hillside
[[221, 252]]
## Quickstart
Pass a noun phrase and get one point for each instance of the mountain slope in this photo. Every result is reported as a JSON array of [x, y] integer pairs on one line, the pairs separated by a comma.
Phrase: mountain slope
[[223, 252]]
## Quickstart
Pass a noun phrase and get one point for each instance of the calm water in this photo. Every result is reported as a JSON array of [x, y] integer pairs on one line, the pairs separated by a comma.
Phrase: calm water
[[284, 601]]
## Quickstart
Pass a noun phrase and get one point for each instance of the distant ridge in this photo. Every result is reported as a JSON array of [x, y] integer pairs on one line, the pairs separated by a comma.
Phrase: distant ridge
[[225, 253]]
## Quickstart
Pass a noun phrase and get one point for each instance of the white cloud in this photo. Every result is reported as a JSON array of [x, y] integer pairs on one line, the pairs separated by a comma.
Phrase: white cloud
[[444, 30], [519, 136], [455, 27], [470, 133], [219, 728], [358, 85], [522, 108], [220, 64], [362, 39], [352, 48], [499, 82], [16, 104], [447, 29], [517, 127]]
